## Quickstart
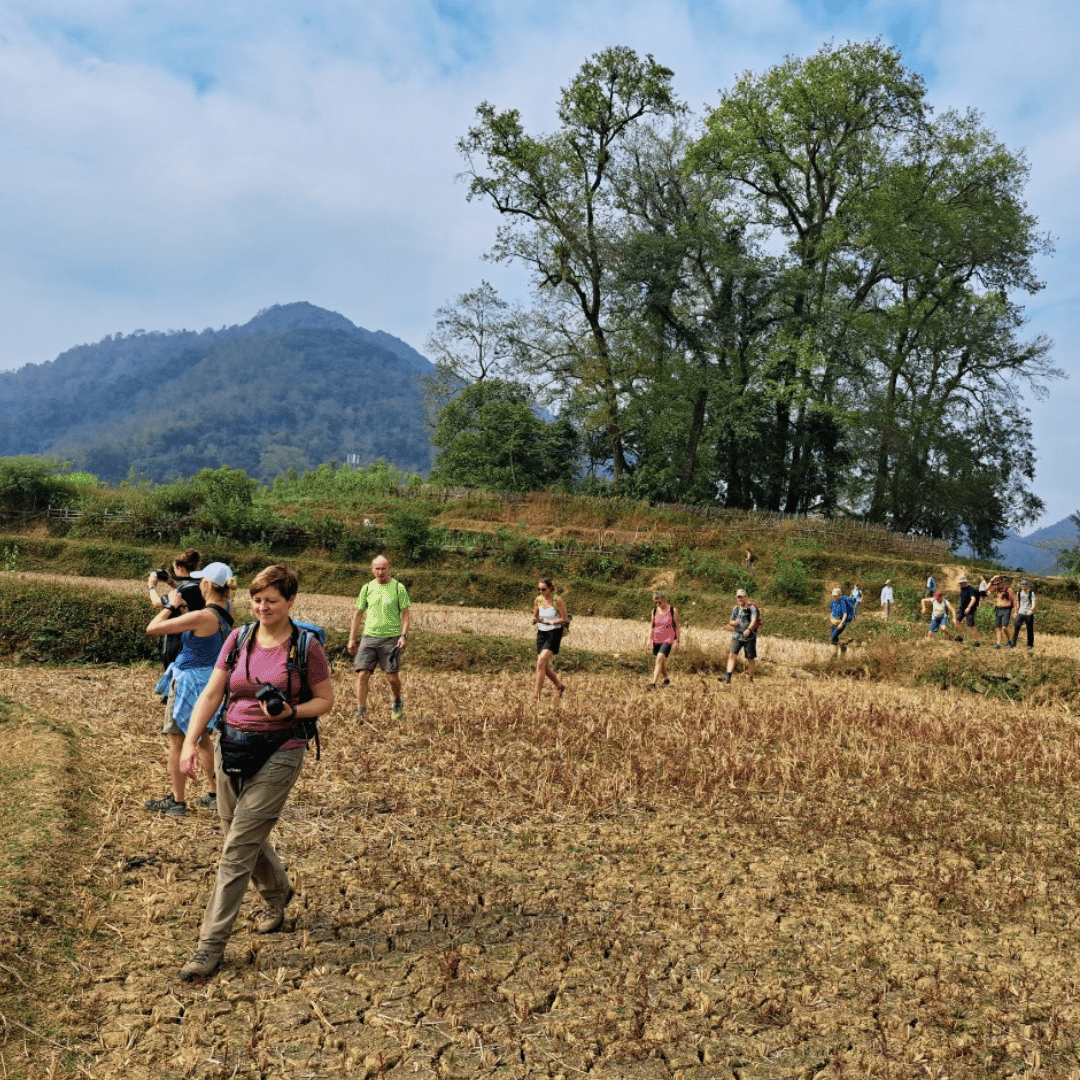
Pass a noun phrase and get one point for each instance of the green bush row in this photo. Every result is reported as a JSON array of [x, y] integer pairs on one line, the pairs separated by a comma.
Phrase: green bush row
[[64, 624]]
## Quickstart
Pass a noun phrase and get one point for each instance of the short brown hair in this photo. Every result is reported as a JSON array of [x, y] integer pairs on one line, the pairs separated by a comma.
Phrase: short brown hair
[[276, 577], [189, 560]]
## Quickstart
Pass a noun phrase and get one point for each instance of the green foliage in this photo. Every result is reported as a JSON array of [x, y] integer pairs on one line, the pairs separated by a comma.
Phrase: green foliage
[[490, 437], [342, 486], [409, 533], [9, 557], [29, 484], [852, 351], [224, 487], [791, 581], [60, 624], [515, 548]]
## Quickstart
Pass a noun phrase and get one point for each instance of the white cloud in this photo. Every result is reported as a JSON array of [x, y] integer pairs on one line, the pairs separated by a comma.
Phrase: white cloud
[[185, 163]]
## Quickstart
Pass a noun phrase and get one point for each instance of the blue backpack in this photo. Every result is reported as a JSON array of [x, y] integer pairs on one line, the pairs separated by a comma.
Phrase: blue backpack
[[849, 607]]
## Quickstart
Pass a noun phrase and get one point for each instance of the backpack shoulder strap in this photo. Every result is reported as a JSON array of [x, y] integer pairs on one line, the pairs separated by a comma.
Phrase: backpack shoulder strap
[[299, 647], [225, 621], [241, 641]]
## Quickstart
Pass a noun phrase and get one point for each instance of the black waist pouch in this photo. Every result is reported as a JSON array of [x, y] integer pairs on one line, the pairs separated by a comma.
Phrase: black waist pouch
[[244, 753]]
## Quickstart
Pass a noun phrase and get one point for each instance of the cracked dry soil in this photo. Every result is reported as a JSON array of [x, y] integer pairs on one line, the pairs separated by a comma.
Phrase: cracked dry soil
[[691, 885]]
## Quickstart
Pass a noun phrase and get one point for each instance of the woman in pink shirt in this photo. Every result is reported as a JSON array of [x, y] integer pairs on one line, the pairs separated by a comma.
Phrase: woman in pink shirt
[[250, 804], [663, 637]]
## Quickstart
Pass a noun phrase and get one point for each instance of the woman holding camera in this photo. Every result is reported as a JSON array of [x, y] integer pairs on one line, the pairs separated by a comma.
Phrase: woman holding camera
[[263, 724], [200, 634]]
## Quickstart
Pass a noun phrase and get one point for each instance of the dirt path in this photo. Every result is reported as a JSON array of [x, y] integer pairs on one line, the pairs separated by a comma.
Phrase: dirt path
[[590, 633]]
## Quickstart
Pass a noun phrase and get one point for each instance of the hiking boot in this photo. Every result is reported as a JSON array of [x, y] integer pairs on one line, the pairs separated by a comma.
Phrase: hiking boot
[[168, 805], [361, 712], [202, 965], [272, 917], [398, 711], [208, 801], [1010, 644]]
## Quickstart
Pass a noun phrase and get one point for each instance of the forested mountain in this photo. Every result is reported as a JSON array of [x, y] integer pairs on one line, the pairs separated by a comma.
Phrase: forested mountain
[[294, 387]]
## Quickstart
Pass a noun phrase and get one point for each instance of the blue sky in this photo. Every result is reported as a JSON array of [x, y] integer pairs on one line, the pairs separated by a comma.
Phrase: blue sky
[[182, 164]]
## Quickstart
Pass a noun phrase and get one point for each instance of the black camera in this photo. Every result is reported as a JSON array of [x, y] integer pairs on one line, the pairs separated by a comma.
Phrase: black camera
[[192, 596], [162, 575], [272, 698]]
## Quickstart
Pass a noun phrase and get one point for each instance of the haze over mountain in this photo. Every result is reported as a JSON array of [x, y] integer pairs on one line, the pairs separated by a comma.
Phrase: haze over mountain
[[294, 387]]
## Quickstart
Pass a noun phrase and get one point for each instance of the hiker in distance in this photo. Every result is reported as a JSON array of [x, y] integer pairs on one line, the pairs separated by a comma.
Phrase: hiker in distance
[[744, 622], [550, 619], [259, 756], [887, 598], [382, 617], [841, 612], [663, 637], [201, 635], [940, 609], [967, 609], [1004, 603], [178, 578], [1025, 615]]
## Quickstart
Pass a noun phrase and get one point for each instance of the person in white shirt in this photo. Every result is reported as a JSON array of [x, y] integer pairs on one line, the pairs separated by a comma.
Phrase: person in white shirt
[[887, 598]]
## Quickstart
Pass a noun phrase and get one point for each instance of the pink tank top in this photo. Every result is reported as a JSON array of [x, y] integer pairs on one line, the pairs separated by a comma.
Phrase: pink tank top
[[663, 627]]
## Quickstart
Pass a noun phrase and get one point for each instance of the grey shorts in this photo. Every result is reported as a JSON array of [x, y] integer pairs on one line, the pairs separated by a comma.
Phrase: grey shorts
[[379, 652], [748, 645], [1002, 616]]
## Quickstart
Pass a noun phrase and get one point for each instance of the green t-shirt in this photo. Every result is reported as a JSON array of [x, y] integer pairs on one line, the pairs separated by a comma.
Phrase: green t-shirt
[[384, 605]]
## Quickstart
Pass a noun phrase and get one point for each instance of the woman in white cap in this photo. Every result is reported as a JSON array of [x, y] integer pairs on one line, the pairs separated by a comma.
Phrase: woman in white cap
[[202, 634]]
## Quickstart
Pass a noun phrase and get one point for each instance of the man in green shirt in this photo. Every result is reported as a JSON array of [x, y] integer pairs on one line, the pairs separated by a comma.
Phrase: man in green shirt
[[382, 615]]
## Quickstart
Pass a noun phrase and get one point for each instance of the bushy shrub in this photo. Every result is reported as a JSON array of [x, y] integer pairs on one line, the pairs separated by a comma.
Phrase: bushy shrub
[[791, 581], [29, 484], [61, 624], [409, 533], [515, 548]]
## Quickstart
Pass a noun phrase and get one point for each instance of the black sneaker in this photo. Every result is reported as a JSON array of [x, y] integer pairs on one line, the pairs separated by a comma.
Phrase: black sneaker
[[168, 805]]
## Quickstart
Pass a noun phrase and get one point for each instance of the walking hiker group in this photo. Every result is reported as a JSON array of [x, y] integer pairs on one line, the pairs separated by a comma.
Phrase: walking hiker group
[[261, 688]]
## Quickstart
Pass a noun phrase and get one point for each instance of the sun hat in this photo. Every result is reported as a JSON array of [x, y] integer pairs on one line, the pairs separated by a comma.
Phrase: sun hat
[[961, 580], [740, 592], [217, 572], [837, 592]]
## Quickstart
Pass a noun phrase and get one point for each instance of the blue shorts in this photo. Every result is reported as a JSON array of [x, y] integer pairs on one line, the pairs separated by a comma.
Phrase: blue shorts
[[938, 622]]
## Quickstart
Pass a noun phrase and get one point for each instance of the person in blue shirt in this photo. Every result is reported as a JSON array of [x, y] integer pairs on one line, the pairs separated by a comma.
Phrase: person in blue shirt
[[838, 614]]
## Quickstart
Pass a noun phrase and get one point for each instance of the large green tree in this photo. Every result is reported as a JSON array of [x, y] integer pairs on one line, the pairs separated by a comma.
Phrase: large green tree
[[902, 237], [815, 305], [489, 436], [555, 195]]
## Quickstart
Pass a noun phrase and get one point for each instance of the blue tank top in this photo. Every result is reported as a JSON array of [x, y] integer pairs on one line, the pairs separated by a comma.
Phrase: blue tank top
[[198, 652]]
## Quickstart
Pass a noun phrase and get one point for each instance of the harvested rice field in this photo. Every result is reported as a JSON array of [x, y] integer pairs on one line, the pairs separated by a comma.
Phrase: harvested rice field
[[797, 878]]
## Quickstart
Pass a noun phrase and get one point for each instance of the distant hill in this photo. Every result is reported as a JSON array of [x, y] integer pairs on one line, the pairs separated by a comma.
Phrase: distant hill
[[1037, 552], [292, 388]]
